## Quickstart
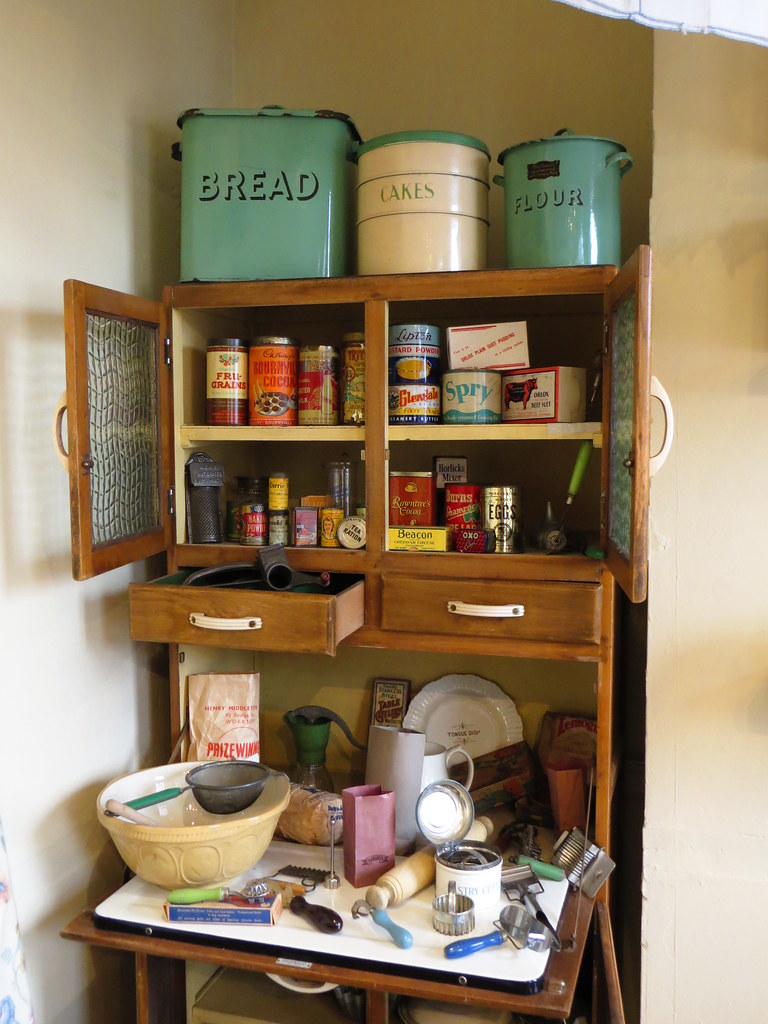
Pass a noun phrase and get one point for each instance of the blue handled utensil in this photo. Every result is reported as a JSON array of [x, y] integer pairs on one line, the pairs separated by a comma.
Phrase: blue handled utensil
[[400, 936]]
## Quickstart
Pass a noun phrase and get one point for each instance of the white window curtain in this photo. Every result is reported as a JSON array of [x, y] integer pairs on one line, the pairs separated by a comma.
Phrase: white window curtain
[[746, 20], [15, 1006]]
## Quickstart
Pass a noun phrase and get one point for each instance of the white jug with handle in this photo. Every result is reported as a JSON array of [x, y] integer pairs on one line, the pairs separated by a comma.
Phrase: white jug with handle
[[438, 760]]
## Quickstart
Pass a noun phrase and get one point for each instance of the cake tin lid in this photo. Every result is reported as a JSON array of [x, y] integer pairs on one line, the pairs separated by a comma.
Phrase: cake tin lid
[[444, 812], [453, 138]]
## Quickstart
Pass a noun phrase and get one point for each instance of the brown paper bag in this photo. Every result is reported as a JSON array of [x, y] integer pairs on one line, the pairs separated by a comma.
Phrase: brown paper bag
[[224, 716], [369, 833]]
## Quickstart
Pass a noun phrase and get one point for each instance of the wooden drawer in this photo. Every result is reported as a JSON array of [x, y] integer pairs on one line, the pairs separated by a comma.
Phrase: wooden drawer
[[168, 612], [543, 611]]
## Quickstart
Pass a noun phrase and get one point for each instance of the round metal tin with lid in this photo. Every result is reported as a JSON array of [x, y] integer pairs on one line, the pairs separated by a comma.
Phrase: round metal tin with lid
[[444, 814]]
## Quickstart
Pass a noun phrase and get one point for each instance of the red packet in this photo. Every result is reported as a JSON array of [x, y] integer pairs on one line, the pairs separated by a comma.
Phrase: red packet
[[369, 833]]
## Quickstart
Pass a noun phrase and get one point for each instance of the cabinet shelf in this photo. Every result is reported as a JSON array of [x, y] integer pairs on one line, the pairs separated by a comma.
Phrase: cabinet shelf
[[498, 432], [191, 436]]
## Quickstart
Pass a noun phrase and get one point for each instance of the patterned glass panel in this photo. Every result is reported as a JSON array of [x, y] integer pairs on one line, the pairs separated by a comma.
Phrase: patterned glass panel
[[622, 416], [122, 413]]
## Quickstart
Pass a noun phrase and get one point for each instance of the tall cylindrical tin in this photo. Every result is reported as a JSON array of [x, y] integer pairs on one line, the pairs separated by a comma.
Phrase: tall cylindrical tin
[[353, 378], [330, 520], [226, 394], [254, 527], [502, 513], [414, 373], [272, 372], [277, 491], [463, 504], [318, 386]]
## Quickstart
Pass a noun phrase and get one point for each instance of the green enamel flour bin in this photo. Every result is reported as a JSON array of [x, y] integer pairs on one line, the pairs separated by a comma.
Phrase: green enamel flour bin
[[562, 201], [266, 194]]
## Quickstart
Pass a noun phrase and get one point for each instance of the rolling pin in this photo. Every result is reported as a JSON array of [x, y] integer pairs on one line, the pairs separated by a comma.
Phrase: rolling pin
[[416, 872]]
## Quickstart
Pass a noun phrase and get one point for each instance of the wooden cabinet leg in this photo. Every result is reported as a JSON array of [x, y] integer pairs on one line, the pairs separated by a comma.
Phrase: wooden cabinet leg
[[161, 994], [376, 1007]]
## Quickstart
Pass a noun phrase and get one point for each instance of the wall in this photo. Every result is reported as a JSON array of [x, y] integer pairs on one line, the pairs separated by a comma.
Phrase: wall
[[91, 93], [706, 831]]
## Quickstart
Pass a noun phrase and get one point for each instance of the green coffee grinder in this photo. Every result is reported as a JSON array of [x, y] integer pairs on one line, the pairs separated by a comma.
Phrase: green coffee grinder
[[311, 729]]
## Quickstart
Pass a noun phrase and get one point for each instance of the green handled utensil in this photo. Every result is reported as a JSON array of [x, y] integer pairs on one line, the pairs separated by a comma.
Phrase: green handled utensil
[[251, 893]]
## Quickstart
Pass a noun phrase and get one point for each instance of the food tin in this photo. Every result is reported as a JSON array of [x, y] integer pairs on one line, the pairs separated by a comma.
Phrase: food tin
[[318, 386], [353, 378], [278, 527], [330, 520], [471, 396], [254, 529], [226, 394], [422, 203], [414, 373], [502, 513], [272, 372], [351, 532], [474, 867], [250, 491], [304, 526], [411, 499], [463, 504], [278, 491], [473, 540]]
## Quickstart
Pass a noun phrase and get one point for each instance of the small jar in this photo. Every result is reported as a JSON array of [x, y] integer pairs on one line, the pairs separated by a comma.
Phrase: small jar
[[249, 490]]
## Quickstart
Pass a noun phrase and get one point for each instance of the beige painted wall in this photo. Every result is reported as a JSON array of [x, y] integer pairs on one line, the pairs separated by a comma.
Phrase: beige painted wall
[[91, 93], [706, 832]]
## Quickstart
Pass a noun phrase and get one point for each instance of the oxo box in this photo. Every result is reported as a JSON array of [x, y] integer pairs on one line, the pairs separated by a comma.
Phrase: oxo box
[[266, 194]]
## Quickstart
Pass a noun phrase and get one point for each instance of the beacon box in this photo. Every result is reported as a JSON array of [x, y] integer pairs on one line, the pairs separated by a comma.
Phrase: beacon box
[[488, 346], [549, 394]]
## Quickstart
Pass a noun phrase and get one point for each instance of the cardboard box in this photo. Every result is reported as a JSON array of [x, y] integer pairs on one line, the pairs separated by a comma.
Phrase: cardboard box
[[549, 394], [488, 346], [263, 911], [420, 538]]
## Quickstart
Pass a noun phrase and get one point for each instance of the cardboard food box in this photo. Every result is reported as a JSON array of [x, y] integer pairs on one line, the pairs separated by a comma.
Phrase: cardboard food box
[[549, 394], [488, 346], [420, 538], [265, 910]]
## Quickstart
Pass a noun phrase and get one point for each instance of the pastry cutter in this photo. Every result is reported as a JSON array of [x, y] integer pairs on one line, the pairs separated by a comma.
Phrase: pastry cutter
[[516, 923], [400, 936], [320, 917]]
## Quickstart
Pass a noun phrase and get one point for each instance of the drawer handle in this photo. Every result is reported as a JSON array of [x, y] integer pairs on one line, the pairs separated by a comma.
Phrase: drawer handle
[[487, 611], [209, 622]]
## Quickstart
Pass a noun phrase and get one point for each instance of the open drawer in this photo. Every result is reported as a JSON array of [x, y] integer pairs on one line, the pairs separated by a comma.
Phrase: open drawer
[[555, 612], [166, 611]]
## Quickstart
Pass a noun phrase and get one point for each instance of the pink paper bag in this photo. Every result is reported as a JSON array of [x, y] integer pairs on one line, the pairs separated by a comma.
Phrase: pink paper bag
[[369, 833]]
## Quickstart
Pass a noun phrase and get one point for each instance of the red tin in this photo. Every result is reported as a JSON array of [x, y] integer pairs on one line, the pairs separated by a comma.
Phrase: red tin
[[463, 504], [412, 499]]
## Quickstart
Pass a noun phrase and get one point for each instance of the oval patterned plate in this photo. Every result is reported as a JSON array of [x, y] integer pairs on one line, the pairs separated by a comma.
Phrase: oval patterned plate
[[466, 710]]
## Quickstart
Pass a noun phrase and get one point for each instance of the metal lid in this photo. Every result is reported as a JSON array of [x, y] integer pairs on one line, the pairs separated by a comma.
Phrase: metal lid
[[563, 135], [272, 339], [273, 110], [444, 812], [453, 138]]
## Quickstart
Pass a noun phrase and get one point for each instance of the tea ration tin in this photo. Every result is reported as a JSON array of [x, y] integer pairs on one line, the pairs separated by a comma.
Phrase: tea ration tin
[[471, 396]]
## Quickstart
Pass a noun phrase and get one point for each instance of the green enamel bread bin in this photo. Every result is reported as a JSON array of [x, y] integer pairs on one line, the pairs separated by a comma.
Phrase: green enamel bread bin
[[562, 201], [266, 194]]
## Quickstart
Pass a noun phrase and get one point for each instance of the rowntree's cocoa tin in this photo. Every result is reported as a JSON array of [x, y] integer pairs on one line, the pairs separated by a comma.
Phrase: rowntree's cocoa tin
[[226, 394], [272, 372], [414, 373], [463, 505], [502, 513], [471, 396], [353, 378], [412, 499], [318, 386]]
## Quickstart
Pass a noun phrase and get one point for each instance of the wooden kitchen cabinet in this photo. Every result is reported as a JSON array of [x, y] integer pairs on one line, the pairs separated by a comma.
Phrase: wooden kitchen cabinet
[[588, 316]]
